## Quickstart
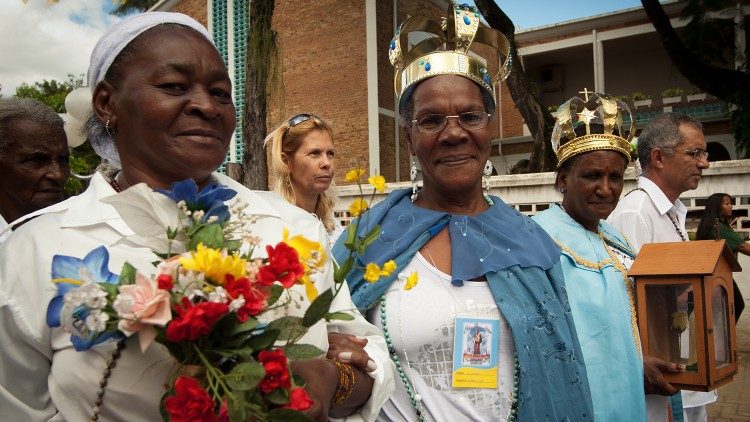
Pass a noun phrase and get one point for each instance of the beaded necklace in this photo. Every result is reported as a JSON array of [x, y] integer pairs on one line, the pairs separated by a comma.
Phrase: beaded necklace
[[414, 397]]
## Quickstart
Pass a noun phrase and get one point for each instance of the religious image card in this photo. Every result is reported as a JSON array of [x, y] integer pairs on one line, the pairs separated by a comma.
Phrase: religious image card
[[476, 350]]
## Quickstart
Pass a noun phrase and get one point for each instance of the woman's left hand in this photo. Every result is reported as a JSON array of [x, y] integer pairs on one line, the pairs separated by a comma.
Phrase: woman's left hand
[[349, 349], [321, 380]]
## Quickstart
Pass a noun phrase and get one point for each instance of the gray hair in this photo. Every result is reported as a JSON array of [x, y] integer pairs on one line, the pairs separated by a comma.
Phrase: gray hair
[[406, 113], [663, 132], [29, 109]]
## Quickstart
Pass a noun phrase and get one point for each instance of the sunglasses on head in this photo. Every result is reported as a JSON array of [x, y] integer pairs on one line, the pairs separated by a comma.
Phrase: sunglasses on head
[[294, 121]]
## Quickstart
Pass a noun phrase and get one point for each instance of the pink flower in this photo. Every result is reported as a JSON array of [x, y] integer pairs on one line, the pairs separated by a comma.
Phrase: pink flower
[[140, 306]]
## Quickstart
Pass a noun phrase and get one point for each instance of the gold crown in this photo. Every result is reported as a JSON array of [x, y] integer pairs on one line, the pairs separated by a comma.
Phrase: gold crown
[[446, 52], [600, 115]]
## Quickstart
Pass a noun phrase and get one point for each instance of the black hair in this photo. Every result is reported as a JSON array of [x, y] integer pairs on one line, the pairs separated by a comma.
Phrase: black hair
[[710, 214]]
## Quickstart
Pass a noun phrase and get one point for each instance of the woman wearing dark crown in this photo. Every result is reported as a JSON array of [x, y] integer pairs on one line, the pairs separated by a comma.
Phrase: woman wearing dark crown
[[593, 153], [464, 258]]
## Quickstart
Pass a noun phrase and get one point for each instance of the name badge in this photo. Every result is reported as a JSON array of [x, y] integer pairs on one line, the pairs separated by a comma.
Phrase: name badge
[[476, 350]]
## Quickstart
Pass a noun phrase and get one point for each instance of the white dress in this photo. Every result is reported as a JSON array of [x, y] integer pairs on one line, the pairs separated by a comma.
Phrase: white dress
[[43, 378], [421, 325]]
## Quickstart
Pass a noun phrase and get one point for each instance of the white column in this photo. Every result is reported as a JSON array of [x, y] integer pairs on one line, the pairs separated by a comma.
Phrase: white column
[[598, 50], [373, 125]]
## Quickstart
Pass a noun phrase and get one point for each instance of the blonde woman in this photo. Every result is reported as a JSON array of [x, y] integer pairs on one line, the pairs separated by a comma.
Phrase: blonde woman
[[302, 156]]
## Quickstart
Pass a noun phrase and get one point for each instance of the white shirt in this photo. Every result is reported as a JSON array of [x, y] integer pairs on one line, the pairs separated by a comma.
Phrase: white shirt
[[43, 378], [3, 233], [421, 325], [647, 217]]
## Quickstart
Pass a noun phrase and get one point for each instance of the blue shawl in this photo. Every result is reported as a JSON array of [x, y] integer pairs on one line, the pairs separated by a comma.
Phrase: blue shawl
[[522, 266]]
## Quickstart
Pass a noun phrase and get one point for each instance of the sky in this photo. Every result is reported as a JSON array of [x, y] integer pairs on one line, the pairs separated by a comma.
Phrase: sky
[[43, 40]]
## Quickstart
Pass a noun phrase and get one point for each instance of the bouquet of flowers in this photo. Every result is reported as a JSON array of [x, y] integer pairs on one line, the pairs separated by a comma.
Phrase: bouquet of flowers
[[205, 303]]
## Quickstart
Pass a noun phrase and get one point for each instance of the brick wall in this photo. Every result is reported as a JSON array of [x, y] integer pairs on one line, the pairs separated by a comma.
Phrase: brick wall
[[197, 9]]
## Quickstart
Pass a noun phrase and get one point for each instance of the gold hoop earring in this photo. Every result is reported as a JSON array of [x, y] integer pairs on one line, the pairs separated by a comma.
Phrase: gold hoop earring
[[106, 127]]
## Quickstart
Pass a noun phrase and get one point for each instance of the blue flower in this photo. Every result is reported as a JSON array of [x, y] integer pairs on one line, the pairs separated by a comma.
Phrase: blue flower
[[210, 199], [70, 273]]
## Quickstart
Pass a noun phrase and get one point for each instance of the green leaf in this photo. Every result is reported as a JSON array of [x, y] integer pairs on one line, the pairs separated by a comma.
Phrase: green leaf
[[374, 233], [302, 351], [245, 376], [318, 308], [236, 409], [127, 275], [264, 340], [344, 270], [232, 245], [287, 415], [278, 396], [246, 326], [244, 353], [341, 316], [276, 290], [289, 327], [210, 235], [351, 235]]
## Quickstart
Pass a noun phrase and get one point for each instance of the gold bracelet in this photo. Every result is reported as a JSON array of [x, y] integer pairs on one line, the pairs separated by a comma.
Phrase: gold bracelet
[[345, 386]]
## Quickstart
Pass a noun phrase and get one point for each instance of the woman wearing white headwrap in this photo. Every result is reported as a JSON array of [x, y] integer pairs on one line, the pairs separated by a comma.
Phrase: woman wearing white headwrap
[[162, 112]]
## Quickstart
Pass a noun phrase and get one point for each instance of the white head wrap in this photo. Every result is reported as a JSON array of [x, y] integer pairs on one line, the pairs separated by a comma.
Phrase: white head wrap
[[109, 47]]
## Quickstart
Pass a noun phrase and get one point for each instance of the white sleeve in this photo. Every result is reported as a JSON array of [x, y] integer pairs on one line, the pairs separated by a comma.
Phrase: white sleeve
[[25, 358], [633, 227], [377, 349]]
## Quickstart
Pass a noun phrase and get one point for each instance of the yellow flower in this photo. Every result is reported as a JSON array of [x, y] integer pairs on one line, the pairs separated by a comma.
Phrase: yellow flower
[[312, 256], [388, 268], [357, 207], [378, 182], [354, 175], [214, 263], [411, 281], [372, 272]]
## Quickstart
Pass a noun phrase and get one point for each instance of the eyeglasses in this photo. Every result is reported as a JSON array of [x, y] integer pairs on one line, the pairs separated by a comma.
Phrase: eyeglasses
[[294, 121], [434, 123], [697, 153]]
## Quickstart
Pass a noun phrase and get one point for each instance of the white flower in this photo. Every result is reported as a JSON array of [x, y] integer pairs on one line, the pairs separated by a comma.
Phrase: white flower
[[212, 219], [237, 304], [148, 214], [123, 304], [95, 296], [219, 295], [97, 321], [198, 214]]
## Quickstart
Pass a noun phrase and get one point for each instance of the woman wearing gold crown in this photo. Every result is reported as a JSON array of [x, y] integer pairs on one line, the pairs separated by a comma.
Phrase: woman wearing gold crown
[[471, 263], [591, 164]]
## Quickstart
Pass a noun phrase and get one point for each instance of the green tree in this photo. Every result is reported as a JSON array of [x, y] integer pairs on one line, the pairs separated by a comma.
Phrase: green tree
[[537, 118], [83, 159], [703, 64]]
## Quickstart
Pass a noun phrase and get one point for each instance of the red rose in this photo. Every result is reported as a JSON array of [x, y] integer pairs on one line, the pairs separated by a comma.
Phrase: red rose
[[190, 402], [277, 371], [194, 321], [283, 266], [299, 399], [164, 282], [256, 299]]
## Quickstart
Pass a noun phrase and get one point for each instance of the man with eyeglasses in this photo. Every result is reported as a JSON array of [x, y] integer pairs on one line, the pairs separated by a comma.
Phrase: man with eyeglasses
[[672, 153]]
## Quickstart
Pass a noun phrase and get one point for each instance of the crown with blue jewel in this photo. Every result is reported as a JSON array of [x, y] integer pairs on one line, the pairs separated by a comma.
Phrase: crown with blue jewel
[[446, 50]]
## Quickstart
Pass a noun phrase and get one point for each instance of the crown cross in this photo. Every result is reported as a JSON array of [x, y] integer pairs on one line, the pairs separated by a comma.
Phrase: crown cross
[[586, 93]]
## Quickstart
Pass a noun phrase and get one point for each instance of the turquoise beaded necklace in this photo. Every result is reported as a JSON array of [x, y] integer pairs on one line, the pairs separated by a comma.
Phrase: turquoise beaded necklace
[[414, 397]]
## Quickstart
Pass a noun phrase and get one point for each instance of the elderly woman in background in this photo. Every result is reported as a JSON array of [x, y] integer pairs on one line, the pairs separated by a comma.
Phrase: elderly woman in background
[[592, 158], [715, 224], [33, 159], [163, 112], [470, 263], [302, 165]]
